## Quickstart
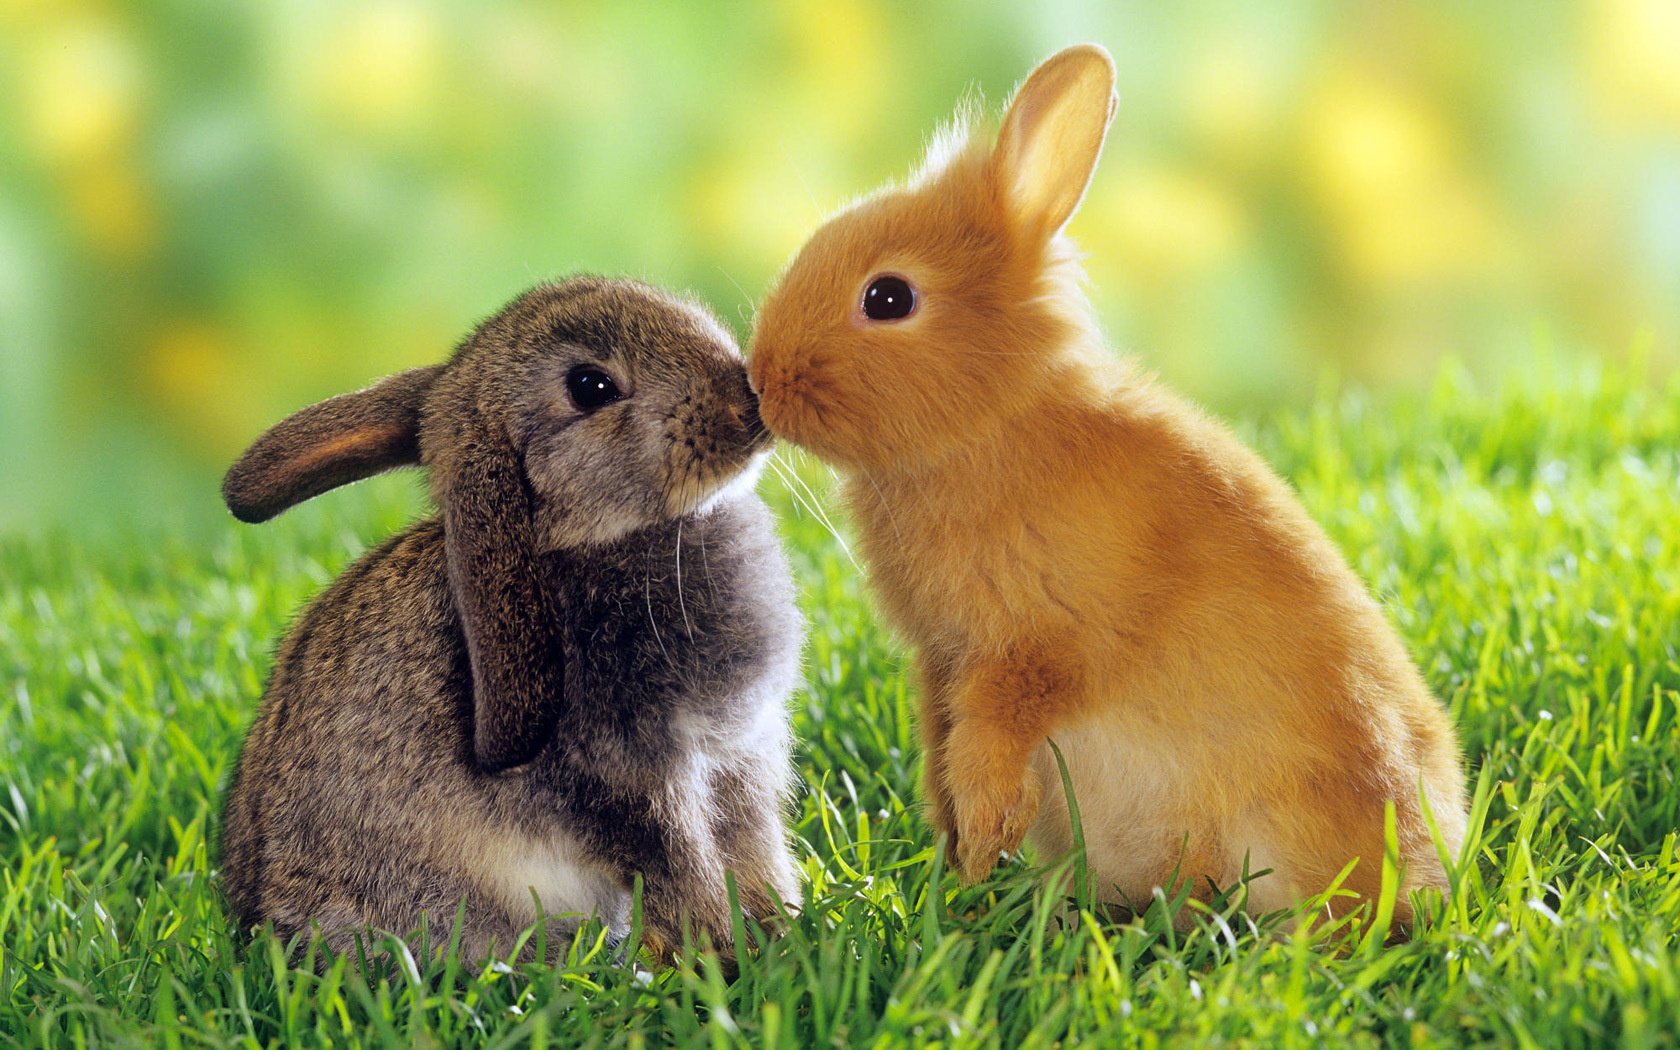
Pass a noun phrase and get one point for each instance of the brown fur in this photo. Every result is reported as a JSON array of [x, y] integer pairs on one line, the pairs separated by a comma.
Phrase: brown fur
[[527, 696], [1077, 554]]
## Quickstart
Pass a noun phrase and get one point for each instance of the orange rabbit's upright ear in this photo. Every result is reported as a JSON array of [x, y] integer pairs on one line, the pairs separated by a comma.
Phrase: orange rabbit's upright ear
[[1052, 136]]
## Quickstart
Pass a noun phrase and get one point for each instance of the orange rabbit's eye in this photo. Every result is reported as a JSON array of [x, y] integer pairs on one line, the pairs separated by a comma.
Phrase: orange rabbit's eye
[[889, 298]]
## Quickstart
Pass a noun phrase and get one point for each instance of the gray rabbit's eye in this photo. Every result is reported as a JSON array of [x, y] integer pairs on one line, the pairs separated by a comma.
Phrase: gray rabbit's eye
[[591, 388], [889, 298]]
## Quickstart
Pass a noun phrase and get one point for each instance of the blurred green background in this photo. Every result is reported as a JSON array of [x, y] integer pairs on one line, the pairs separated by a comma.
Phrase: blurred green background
[[212, 213]]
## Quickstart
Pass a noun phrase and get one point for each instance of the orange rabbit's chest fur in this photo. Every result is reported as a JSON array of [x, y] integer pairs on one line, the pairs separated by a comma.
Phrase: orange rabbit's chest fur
[[1225, 690]]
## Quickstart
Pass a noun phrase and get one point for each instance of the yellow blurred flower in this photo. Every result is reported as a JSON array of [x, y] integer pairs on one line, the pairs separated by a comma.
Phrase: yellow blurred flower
[[83, 104], [191, 368], [378, 67], [555, 58], [1159, 225], [1633, 60], [114, 211], [843, 72], [1232, 101], [742, 214], [82, 90], [18, 10], [1383, 169]]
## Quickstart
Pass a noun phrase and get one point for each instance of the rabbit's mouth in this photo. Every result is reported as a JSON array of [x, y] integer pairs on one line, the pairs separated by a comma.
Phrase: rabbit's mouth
[[759, 437], [701, 483], [707, 455], [796, 408]]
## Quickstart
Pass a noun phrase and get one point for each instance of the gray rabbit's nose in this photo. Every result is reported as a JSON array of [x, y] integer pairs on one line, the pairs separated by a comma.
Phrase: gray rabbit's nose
[[741, 408], [736, 396], [747, 414], [758, 435]]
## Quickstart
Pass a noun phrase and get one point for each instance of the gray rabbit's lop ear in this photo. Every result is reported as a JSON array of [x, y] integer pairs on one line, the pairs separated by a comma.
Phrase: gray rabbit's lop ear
[[340, 440], [511, 625]]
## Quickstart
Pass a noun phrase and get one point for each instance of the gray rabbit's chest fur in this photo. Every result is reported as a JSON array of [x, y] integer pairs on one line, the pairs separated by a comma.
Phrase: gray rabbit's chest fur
[[357, 800], [681, 648], [670, 633]]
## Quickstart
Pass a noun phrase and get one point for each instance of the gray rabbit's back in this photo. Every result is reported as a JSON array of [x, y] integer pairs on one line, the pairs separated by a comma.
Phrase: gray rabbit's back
[[359, 715]]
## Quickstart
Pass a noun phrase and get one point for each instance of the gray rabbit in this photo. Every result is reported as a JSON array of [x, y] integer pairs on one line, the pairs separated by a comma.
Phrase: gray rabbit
[[576, 673]]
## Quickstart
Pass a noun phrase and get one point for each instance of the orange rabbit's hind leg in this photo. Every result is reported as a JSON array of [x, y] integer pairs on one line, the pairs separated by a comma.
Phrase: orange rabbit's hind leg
[[1316, 847]]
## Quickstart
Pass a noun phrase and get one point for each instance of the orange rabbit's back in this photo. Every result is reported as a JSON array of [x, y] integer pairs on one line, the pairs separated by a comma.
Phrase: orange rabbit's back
[[1078, 555]]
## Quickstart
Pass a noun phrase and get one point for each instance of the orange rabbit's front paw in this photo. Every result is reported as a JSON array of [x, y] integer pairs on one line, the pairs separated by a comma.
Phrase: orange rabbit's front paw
[[993, 822]]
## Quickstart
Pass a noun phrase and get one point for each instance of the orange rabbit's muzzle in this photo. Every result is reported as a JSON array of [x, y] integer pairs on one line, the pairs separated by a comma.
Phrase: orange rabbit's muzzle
[[803, 403], [783, 396]]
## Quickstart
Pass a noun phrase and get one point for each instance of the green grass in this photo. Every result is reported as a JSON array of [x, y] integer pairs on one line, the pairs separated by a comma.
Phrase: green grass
[[1526, 541]]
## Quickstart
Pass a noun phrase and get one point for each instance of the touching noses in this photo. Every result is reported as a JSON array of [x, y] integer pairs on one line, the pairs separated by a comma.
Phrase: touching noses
[[741, 405], [755, 372]]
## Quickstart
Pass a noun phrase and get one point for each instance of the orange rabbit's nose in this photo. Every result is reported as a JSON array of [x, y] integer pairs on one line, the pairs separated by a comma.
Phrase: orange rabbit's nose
[[766, 372], [757, 366], [777, 392]]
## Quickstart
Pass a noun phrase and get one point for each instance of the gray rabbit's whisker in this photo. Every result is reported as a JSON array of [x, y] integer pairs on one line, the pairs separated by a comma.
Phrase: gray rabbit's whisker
[[787, 473], [653, 620], [799, 503], [682, 604]]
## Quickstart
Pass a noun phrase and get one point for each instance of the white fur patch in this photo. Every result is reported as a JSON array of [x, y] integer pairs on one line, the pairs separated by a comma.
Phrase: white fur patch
[[1137, 804], [555, 871], [741, 483], [950, 141]]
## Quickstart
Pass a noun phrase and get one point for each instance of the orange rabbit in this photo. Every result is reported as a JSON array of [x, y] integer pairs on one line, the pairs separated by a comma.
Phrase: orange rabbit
[[1077, 554]]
